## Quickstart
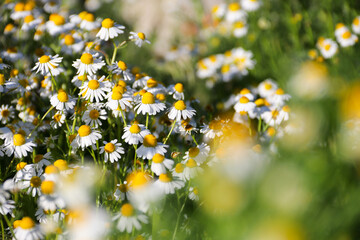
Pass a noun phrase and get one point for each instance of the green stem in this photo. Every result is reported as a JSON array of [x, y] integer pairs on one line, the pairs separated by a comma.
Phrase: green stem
[[114, 54], [53, 81], [193, 137], [249, 121], [10, 226], [135, 155], [147, 120], [172, 128], [123, 117], [52, 107], [178, 219]]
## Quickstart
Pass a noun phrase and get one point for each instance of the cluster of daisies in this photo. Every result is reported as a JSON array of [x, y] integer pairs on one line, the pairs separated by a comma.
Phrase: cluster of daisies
[[344, 37], [232, 18], [225, 67]]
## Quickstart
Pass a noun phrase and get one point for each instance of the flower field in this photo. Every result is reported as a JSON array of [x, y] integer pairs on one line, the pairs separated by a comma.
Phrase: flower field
[[180, 119]]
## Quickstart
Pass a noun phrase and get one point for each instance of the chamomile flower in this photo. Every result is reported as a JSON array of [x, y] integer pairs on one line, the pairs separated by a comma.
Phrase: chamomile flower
[[177, 91], [250, 5], [180, 111], [178, 171], [194, 193], [214, 129], [235, 13], [21, 10], [58, 119], [28, 230], [109, 29], [139, 38], [279, 97], [19, 146], [129, 218], [32, 183], [122, 191], [11, 54], [118, 99], [135, 133], [72, 43], [240, 29], [328, 48], [57, 25], [244, 105], [112, 151], [149, 105], [10, 29], [191, 169], [41, 160], [52, 6], [356, 25], [50, 200], [120, 67], [198, 153], [88, 64], [7, 206], [218, 11], [2, 67], [93, 116], [243, 60], [30, 23], [85, 137], [150, 147], [95, 89], [47, 64], [267, 88], [89, 23], [62, 101], [160, 164], [78, 80], [6, 113], [346, 38], [167, 184]]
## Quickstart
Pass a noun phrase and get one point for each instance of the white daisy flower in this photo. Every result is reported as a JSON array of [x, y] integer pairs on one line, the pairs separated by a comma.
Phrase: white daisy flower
[[218, 11], [11, 54], [109, 29], [167, 184], [356, 25], [21, 10], [259, 109], [41, 160], [77, 18], [19, 146], [88, 64], [47, 64], [85, 137], [58, 119], [30, 23], [50, 200], [135, 133], [214, 129], [340, 28], [177, 91], [178, 171], [180, 111], [52, 6], [346, 38], [7, 206], [148, 105], [191, 169], [72, 43], [279, 98], [118, 99], [28, 230], [112, 150], [267, 88], [120, 67], [150, 147], [194, 193], [235, 13], [160, 164], [93, 115], [95, 88], [275, 117], [139, 38], [129, 218], [198, 153], [240, 29], [243, 60], [10, 29], [250, 5], [32, 183], [6, 113], [62, 101], [244, 105], [122, 191], [78, 80], [154, 87], [328, 48], [89, 23], [57, 24]]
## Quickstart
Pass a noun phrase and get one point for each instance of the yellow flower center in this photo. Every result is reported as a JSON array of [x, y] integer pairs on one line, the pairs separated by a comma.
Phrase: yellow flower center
[[44, 59], [47, 187], [87, 58], [327, 47], [141, 35], [9, 27], [84, 131], [62, 96], [244, 91], [16, 223], [286, 108], [179, 168], [94, 114], [61, 164], [122, 65], [215, 125], [259, 102], [38, 158], [2, 79], [27, 223], [138, 179], [234, 6], [279, 91], [57, 117], [29, 18], [165, 177], [19, 139], [135, 128], [191, 163], [267, 86], [150, 141], [69, 39], [158, 158], [82, 15], [346, 35], [239, 24], [19, 7], [57, 19], [193, 152], [180, 105], [244, 100], [160, 96], [339, 25], [24, 83], [179, 87], [148, 98], [151, 83], [89, 17], [123, 188], [127, 210], [116, 95], [109, 147], [274, 114], [196, 191], [93, 84], [271, 131], [356, 21], [51, 169], [35, 181], [12, 50], [107, 23], [5, 113], [20, 166]]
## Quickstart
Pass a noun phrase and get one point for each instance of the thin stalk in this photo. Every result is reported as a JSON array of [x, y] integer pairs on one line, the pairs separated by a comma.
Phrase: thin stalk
[[123, 117], [147, 120], [52, 107], [10, 226], [178, 219], [135, 155], [172, 128], [193, 137]]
